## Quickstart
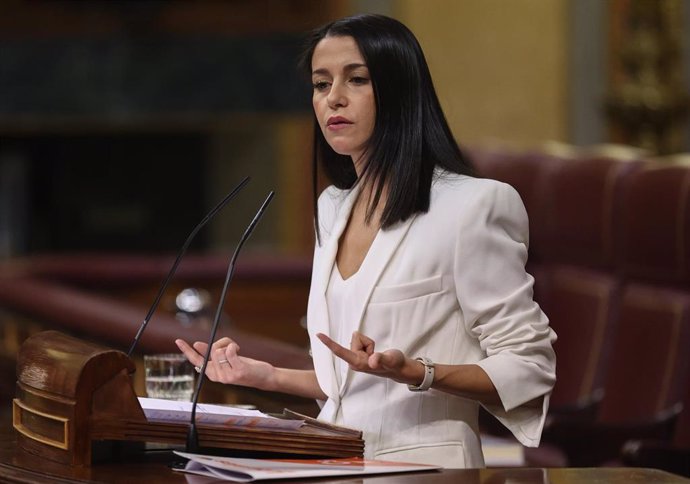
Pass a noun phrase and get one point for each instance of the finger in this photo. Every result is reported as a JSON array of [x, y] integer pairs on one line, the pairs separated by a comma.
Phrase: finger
[[383, 360], [338, 350], [361, 342], [230, 364], [332, 345], [374, 361], [222, 343], [195, 355], [392, 360], [190, 353], [182, 344], [218, 356], [200, 347], [231, 353]]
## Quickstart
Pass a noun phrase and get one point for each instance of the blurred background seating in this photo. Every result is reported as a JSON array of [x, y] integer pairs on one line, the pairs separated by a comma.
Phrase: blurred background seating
[[104, 298], [611, 273], [673, 455]]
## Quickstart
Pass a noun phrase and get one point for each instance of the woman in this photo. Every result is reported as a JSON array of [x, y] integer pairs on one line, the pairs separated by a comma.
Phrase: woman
[[413, 257]]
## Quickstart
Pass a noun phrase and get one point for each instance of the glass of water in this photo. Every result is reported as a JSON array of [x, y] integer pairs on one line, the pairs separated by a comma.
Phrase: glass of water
[[169, 376]]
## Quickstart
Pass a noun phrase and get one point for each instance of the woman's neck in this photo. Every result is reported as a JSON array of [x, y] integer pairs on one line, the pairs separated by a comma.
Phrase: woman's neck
[[367, 193], [367, 198]]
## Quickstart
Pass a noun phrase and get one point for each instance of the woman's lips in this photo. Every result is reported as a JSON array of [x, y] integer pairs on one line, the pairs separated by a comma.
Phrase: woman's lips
[[337, 122]]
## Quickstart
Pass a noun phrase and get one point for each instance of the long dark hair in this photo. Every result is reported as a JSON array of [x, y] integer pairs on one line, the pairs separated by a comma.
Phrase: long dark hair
[[411, 135]]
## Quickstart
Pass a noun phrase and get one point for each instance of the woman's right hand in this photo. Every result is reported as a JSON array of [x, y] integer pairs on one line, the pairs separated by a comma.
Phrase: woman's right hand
[[227, 366]]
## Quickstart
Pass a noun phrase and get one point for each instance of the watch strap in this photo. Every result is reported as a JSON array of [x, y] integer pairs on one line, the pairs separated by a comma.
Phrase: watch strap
[[428, 376]]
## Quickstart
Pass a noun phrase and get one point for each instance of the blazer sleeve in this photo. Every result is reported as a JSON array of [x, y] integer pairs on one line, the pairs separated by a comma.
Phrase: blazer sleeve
[[495, 296]]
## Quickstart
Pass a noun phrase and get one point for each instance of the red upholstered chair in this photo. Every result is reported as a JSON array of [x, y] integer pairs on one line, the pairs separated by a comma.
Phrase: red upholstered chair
[[578, 217], [582, 306], [518, 169], [645, 381], [654, 232]]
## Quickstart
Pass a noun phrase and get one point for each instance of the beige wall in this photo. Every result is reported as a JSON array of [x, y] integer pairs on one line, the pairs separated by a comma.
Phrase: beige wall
[[499, 66]]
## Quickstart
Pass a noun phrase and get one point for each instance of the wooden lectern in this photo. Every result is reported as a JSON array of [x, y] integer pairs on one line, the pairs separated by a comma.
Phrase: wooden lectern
[[71, 393]]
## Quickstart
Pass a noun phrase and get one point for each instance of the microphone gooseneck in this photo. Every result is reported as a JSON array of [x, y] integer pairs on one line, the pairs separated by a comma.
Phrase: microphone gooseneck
[[180, 254], [192, 434]]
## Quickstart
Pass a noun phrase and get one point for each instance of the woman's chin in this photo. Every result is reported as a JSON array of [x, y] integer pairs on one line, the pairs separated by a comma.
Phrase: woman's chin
[[341, 150]]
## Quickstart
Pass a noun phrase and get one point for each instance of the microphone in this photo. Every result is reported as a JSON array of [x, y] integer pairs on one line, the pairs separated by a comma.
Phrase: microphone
[[181, 253], [192, 434]]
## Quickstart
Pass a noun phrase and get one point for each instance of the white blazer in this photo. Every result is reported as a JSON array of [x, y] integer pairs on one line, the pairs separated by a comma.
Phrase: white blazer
[[450, 285]]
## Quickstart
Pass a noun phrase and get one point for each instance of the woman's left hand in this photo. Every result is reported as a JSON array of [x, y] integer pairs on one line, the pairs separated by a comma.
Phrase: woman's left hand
[[467, 381], [362, 357]]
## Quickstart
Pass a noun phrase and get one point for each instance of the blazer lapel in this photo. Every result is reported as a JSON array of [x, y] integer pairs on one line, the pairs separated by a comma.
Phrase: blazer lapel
[[380, 253], [325, 255], [317, 319]]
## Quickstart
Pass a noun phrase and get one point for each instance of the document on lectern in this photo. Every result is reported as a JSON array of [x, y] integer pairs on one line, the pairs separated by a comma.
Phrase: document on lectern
[[249, 470], [157, 409]]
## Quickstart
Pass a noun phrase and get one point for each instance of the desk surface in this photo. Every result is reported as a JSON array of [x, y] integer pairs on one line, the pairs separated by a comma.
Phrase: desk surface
[[152, 468]]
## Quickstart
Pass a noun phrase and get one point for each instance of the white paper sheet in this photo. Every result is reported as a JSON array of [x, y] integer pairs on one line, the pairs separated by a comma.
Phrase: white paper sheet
[[157, 409], [248, 470]]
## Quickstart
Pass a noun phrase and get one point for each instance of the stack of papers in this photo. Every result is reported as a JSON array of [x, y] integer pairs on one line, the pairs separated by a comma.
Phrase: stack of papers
[[157, 409], [248, 470]]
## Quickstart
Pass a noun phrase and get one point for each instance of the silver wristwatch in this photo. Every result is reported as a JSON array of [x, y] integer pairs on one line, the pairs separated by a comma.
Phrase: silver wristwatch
[[428, 376]]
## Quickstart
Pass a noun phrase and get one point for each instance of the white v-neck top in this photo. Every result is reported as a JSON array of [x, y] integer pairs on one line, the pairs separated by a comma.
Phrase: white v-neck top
[[340, 301]]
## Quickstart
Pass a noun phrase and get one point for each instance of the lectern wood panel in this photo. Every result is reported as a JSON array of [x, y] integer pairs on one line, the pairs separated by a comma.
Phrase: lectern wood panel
[[62, 383]]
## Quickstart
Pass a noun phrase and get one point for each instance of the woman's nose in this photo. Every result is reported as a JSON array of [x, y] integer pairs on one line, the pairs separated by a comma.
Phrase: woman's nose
[[336, 96]]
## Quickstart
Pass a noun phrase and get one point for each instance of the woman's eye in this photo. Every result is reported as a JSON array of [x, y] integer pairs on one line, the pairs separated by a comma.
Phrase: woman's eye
[[320, 85], [359, 80]]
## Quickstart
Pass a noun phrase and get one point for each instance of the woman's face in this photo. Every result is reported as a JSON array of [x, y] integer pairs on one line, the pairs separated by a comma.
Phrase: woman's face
[[343, 96]]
